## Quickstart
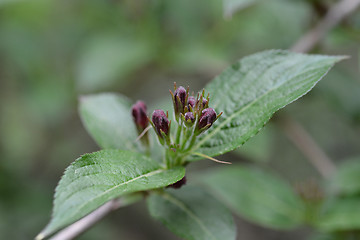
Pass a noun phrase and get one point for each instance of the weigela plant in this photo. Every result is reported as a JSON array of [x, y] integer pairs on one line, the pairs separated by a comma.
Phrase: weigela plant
[[131, 166]]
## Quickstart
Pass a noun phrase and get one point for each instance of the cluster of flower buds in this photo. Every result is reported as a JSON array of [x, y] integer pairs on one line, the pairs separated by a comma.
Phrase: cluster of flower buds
[[192, 116], [192, 112]]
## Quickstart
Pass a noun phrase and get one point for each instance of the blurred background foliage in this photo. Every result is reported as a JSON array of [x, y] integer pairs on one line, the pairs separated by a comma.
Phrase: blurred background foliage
[[53, 51]]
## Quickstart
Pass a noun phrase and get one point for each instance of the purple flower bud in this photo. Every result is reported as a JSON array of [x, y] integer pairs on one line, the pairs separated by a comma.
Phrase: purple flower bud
[[179, 101], [139, 115], [189, 119], [189, 116], [204, 102], [160, 122], [191, 101], [179, 183], [208, 116], [181, 93]]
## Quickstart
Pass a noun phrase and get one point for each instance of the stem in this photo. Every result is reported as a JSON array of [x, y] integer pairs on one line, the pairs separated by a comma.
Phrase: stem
[[88, 221], [178, 133], [192, 141], [187, 134], [295, 132], [305, 143], [167, 159]]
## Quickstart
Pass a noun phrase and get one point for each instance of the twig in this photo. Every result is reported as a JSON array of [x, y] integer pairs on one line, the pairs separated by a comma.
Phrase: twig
[[294, 131], [336, 13], [85, 223], [88, 221], [305, 143]]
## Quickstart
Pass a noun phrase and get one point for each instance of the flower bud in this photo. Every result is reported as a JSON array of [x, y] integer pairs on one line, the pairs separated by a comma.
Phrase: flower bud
[[181, 93], [189, 119], [208, 117], [179, 101], [191, 101], [204, 102], [139, 115], [161, 125]]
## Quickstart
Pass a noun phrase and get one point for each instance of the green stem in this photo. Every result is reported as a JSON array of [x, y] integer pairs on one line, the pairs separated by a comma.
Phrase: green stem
[[167, 160], [187, 134], [178, 133], [192, 141]]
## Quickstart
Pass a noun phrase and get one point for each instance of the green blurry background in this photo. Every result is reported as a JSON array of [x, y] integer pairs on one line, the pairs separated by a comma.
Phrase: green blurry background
[[53, 51]]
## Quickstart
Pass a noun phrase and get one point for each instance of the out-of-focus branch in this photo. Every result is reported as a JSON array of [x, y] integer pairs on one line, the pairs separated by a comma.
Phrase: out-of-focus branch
[[88, 221], [293, 130], [85, 223], [336, 13], [305, 143]]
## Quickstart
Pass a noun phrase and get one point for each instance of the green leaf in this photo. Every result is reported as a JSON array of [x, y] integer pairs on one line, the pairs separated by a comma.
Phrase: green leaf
[[96, 178], [340, 214], [252, 90], [257, 196], [347, 178], [107, 118], [193, 214]]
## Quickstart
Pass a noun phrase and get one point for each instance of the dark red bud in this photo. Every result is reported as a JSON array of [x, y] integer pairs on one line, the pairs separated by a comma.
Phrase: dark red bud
[[139, 115], [191, 101], [189, 116], [189, 119], [179, 101], [179, 183], [208, 116], [181, 93], [204, 102], [160, 122]]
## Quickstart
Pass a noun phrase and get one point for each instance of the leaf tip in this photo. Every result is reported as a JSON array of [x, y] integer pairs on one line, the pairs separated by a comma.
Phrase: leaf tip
[[343, 57]]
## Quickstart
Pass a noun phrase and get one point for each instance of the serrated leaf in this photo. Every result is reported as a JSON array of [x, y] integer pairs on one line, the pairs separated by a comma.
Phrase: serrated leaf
[[347, 177], [340, 214], [96, 178], [107, 118], [257, 196], [192, 214], [252, 90]]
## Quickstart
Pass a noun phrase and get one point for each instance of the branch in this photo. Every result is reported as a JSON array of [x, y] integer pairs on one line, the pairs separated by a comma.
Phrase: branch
[[85, 223], [304, 142], [293, 130], [88, 221], [336, 13]]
